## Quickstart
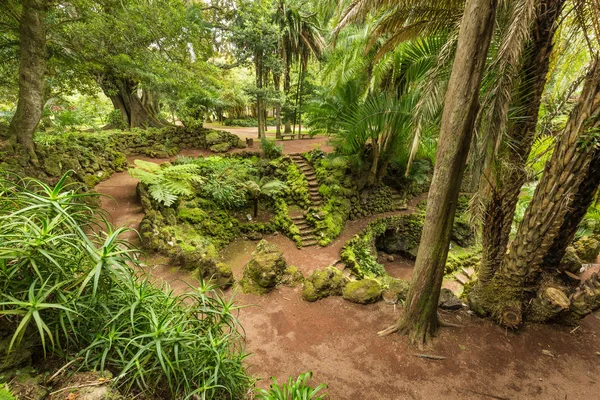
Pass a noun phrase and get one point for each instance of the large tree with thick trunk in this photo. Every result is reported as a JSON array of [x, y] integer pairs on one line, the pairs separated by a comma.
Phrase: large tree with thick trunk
[[138, 107], [529, 283], [32, 68], [420, 319]]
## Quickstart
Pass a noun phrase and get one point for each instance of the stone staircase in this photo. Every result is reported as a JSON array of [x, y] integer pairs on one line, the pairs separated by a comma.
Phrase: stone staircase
[[306, 231], [398, 201], [464, 275], [311, 177]]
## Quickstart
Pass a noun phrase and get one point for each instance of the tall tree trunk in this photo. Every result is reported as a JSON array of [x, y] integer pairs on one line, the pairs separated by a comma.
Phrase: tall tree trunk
[[276, 84], [564, 184], [287, 85], [419, 319], [300, 87], [259, 96], [32, 68], [509, 172]]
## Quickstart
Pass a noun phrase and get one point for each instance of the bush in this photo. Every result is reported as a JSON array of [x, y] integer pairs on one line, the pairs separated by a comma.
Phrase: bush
[[80, 294], [270, 149]]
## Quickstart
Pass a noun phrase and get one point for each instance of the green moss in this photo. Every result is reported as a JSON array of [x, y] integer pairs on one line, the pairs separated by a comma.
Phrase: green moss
[[220, 147], [364, 291], [323, 283], [459, 258], [265, 269], [292, 276]]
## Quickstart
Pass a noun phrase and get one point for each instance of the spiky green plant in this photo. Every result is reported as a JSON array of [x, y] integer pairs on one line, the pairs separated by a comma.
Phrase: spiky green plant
[[166, 183], [293, 389], [68, 278]]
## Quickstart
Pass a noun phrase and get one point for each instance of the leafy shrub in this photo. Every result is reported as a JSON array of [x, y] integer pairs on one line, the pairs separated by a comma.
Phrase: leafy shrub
[[270, 149], [292, 390], [224, 177], [80, 294], [166, 184], [115, 120]]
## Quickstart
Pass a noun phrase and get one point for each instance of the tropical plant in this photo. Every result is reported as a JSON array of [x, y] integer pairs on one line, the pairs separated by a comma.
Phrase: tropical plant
[[5, 393], [262, 187], [166, 183], [293, 389], [77, 290], [270, 149]]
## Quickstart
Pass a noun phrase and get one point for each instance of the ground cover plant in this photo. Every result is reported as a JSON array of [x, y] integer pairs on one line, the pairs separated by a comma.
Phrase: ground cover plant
[[75, 293]]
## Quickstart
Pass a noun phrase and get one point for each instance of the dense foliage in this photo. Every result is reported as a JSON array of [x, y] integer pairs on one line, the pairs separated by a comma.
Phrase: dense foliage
[[77, 292]]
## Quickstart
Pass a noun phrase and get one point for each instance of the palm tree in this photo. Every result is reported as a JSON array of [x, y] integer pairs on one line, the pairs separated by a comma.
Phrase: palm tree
[[300, 40], [262, 187]]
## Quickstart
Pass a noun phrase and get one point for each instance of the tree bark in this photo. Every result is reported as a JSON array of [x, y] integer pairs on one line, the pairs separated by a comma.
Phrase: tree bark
[[276, 84], [419, 319], [564, 184], [259, 95], [508, 174], [136, 111], [286, 90], [32, 68]]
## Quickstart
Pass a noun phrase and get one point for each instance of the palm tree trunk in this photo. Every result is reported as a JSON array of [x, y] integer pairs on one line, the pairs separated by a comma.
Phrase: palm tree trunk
[[276, 84], [509, 174], [32, 68], [419, 319], [286, 91], [255, 207], [259, 96], [561, 194]]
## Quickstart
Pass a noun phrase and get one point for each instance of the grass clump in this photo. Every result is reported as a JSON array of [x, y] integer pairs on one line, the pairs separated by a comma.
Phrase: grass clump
[[79, 294], [298, 389]]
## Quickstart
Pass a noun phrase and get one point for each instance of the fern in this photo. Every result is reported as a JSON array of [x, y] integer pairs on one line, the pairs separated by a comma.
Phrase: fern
[[166, 183]]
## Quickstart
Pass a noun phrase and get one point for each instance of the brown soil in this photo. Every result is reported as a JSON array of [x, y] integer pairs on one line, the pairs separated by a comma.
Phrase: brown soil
[[338, 340]]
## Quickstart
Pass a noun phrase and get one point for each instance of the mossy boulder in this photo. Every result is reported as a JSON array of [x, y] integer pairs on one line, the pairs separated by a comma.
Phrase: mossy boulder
[[364, 291], [587, 248], [213, 137], [266, 267], [219, 272], [323, 283], [220, 147], [397, 290], [292, 276]]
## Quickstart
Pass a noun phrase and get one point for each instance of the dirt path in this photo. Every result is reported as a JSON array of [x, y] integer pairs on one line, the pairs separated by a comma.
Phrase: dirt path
[[337, 340]]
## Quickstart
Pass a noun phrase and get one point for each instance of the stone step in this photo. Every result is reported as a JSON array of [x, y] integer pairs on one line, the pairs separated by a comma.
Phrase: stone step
[[311, 176], [469, 272], [461, 278], [297, 218], [309, 243], [304, 231], [313, 184], [302, 225]]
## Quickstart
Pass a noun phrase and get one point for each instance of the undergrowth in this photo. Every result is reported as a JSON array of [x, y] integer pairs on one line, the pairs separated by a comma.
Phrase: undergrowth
[[68, 278]]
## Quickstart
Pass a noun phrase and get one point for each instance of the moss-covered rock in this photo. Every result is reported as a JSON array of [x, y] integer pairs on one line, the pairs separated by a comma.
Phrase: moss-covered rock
[[266, 267], [220, 147], [292, 276], [587, 248], [323, 283], [397, 290], [364, 291]]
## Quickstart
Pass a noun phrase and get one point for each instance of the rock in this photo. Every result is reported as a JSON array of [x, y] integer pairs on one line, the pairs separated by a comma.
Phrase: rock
[[587, 248], [101, 390], [292, 276], [570, 261], [220, 273], [397, 290], [364, 291], [213, 137], [390, 258], [253, 235], [220, 148], [266, 267], [448, 300], [27, 386], [17, 358], [548, 353], [323, 283]]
